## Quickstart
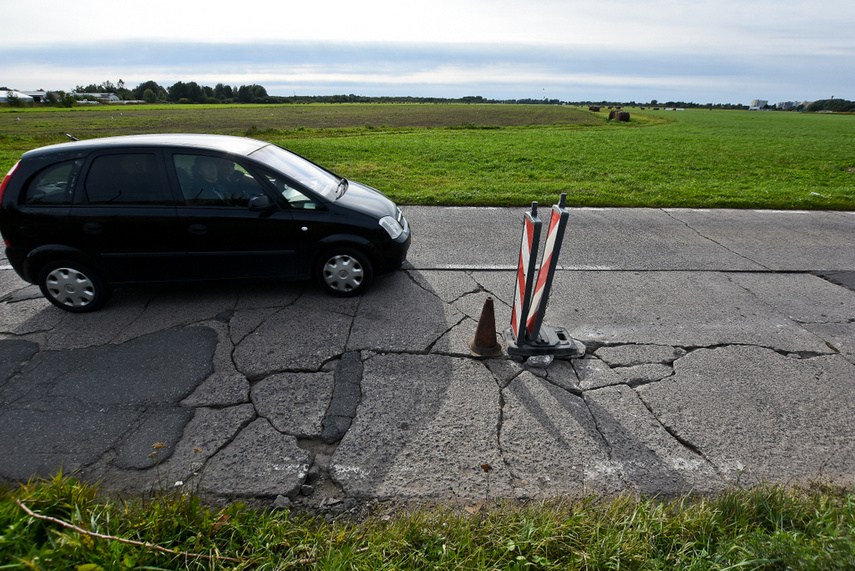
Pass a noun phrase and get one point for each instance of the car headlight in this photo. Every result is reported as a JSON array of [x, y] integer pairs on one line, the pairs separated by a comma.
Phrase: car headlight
[[391, 226]]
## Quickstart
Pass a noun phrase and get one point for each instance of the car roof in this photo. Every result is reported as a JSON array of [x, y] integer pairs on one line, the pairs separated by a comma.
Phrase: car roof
[[219, 143]]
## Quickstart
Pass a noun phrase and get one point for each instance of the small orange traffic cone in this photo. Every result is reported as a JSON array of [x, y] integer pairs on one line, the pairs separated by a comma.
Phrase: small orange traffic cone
[[485, 342]]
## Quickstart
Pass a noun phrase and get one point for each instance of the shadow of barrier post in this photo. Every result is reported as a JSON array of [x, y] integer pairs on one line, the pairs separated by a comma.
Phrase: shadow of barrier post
[[527, 336]]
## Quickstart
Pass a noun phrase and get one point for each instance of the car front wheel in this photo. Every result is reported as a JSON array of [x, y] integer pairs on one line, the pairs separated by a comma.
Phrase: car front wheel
[[344, 272], [73, 286]]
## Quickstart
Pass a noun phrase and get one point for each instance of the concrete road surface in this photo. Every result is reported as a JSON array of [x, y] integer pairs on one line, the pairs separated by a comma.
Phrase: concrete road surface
[[720, 349]]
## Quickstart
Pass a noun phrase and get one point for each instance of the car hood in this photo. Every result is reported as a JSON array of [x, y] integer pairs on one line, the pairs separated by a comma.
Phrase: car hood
[[367, 200]]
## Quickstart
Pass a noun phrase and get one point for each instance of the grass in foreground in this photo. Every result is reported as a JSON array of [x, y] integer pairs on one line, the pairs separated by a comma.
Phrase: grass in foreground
[[768, 527]]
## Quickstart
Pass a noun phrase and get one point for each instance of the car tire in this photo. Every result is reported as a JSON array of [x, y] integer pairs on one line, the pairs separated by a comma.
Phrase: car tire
[[73, 286], [344, 272]]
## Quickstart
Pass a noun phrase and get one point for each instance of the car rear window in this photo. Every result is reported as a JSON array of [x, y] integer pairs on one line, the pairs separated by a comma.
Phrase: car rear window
[[54, 185], [132, 178]]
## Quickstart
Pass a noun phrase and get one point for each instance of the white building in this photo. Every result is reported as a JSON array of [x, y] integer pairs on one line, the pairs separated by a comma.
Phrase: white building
[[23, 97], [38, 96], [108, 97]]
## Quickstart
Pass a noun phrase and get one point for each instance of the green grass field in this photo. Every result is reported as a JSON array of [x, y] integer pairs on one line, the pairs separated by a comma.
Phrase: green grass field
[[513, 154], [459, 155], [764, 528]]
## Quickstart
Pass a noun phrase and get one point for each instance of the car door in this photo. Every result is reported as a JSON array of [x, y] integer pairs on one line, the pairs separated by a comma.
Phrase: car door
[[41, 218], [224, 236], [314, 223], [124, 215]]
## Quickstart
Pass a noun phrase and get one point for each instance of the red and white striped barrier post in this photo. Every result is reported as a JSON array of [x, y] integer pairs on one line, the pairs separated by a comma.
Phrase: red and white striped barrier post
[[540, 297], [527, 336], [525, 271]]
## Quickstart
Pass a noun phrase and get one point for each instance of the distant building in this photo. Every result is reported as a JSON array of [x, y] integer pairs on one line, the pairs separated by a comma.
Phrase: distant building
[[108, 97], [758, 104], [38, 96], [23, 97]]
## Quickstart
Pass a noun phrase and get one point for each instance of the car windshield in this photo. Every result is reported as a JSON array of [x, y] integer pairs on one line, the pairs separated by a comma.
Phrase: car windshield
[[303, 171]]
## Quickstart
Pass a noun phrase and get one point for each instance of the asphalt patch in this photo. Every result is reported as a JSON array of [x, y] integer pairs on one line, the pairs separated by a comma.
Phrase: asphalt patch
[[65, 409]]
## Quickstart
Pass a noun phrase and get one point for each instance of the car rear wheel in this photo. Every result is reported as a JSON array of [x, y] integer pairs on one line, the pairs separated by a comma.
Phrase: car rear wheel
[[344, 272], [73, 286]]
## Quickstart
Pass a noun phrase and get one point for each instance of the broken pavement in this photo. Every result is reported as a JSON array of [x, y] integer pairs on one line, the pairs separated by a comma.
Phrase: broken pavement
[[721, 350]]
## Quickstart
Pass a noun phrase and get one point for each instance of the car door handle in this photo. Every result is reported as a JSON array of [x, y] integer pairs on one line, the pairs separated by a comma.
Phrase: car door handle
[[92, 228], [197, 229]]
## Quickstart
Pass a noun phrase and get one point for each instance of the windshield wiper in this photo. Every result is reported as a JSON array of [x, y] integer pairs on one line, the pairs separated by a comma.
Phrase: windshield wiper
[[342, 188]]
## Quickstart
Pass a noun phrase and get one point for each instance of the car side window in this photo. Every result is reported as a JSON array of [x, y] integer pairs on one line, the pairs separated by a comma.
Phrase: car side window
[[131, 178], [214, 181], [294, 197], [54, 185]]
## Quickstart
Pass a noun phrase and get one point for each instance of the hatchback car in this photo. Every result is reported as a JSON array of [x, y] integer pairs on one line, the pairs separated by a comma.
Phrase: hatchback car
[[79, 218]]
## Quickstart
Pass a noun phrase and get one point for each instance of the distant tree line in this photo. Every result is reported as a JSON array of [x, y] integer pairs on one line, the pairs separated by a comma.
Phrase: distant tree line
[[836, 105], [192, 92], [180, 92], [661, 104]]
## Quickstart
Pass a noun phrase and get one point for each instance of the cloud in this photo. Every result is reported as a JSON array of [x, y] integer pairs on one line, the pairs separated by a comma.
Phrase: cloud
[[690, 50], [440, 70], [694, 25]]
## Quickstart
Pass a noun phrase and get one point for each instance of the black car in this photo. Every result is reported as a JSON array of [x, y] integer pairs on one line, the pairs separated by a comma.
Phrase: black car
[[79, 218]]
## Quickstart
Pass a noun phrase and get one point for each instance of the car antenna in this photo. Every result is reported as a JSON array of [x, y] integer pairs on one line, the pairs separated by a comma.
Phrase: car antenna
[[72, 137]]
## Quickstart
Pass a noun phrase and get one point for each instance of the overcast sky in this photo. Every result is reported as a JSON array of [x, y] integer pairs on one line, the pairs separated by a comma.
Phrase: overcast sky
[[719, 51]]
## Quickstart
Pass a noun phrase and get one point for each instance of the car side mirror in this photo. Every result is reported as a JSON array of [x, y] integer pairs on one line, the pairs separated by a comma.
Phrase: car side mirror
[[261, 203]]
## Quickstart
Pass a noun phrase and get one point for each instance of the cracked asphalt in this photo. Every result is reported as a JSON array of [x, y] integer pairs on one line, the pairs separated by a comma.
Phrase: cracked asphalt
[[720, 351]]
